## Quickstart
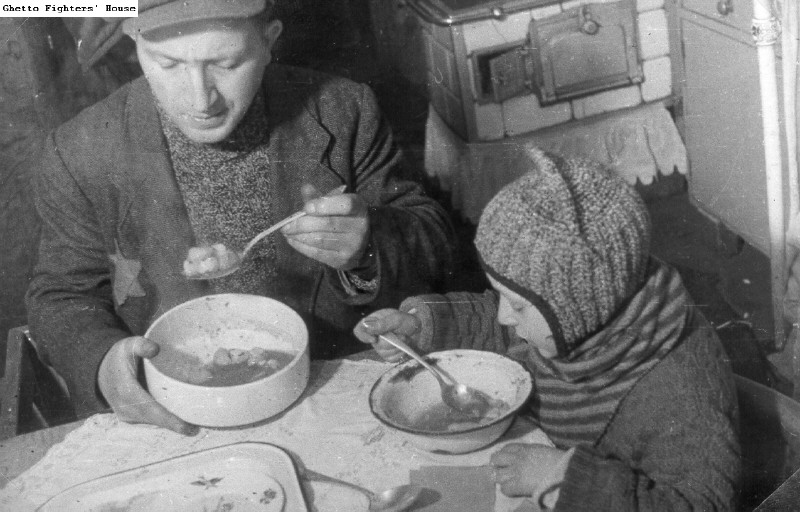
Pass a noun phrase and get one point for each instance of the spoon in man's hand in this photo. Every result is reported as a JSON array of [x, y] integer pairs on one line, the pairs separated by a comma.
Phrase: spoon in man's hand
[[217, 261]]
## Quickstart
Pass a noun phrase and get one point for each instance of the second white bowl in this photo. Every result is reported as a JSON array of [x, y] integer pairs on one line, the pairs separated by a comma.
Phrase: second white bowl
[[407, 398]]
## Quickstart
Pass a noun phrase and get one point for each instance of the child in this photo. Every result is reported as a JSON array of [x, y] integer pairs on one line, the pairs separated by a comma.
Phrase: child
[[631, 382]]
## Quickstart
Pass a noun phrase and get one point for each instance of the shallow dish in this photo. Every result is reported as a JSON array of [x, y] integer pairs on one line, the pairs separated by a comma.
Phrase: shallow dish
[[241, 477], [191, 333], [407, 399]]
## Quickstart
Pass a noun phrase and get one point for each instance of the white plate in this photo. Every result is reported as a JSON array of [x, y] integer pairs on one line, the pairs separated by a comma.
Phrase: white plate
[[241, 477]]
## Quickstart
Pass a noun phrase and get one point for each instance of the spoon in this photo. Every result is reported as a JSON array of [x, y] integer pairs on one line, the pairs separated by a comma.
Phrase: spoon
[[395, 499], [235, 259], [457, 396]]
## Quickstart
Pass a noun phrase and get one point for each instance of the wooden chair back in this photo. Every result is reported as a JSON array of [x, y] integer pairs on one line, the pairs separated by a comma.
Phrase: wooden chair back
[[32, 396]]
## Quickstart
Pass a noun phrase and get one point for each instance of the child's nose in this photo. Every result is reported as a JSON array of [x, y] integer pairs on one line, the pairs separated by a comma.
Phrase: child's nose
[[505, 314]]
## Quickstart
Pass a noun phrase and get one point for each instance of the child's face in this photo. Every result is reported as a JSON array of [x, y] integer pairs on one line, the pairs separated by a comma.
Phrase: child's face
[[515, 311]]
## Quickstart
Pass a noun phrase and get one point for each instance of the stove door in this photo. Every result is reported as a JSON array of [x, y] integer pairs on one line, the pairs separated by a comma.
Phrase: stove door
[[510, 74], [585, 50]]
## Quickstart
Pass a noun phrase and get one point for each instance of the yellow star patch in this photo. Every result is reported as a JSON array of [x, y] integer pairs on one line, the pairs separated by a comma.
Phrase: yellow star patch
[[126, 274]]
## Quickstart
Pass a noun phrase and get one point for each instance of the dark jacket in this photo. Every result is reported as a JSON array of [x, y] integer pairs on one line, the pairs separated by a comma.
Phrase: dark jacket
[[115, 228], [673, 442]]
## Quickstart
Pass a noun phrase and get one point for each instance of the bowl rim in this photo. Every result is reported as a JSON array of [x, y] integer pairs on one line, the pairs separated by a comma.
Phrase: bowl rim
[[291, 364], [432, 433]]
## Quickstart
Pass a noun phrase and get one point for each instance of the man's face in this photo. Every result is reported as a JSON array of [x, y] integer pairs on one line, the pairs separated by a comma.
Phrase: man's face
[[205, 75]]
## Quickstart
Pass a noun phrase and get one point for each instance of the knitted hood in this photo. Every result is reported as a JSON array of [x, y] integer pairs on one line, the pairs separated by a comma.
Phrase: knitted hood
[[572, 238]]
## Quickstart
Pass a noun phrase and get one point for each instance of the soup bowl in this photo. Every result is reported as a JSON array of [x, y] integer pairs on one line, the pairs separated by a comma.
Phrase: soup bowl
[[408, 400], [228, 360]]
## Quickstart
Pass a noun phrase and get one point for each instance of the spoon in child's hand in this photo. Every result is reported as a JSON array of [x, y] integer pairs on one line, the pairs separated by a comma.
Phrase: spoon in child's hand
[[219, 261], [457, 396]]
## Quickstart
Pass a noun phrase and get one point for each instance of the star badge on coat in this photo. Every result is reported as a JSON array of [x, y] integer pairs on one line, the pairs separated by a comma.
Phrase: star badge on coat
[[126, 277]]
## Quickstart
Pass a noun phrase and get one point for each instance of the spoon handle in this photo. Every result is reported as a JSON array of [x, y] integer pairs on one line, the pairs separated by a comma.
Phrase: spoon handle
[[291, 218], [394, 340], [319, 477], [275, 227]]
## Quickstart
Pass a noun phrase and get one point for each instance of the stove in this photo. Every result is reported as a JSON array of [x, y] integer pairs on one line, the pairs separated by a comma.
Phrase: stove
[[494, 69], [453, 12]]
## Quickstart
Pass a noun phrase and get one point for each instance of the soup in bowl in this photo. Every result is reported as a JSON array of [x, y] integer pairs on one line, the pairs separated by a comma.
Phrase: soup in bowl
[[408, 399], [228, 360]]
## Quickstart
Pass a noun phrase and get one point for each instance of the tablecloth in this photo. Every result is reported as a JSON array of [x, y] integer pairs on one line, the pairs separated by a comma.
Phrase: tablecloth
[[330, 429]]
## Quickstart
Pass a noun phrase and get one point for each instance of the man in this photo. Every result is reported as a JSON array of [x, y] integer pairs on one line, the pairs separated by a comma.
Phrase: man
[[212, 146]]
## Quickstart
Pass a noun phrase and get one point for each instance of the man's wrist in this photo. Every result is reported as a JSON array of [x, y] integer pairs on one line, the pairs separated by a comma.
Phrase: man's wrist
[[363, 278], [354, 285], [367, 267]]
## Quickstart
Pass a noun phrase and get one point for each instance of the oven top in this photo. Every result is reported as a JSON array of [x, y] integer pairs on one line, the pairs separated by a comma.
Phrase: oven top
[[454, 12]]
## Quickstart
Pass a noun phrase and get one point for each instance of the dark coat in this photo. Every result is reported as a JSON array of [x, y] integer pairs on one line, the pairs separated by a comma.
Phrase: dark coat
[[115, 228], [672, 443]]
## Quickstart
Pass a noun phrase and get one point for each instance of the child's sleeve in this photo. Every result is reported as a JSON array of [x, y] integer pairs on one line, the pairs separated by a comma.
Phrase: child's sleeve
[[458, 320]]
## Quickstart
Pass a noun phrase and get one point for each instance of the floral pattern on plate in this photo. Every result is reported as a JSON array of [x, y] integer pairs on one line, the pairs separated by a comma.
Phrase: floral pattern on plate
[[233, 478]]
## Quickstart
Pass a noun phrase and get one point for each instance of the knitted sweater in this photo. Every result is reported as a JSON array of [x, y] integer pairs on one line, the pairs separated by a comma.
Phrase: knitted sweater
[[672, 444], [228, 194]]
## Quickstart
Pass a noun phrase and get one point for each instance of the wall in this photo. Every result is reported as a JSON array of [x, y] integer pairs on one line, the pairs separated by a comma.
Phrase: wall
[[41, 85]]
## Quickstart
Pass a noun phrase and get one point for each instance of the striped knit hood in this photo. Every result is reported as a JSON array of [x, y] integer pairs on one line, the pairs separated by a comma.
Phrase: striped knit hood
[[573, 238]]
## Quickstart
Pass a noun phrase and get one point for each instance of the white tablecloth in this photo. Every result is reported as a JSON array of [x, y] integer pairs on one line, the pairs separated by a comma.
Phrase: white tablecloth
[[330, 429]]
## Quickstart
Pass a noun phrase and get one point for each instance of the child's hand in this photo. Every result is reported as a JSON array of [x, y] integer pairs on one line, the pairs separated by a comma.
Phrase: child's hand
[[386, 321], [528, 469]]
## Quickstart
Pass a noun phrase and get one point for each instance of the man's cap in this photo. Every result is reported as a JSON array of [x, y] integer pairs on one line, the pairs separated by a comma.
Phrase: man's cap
[[156, 14]]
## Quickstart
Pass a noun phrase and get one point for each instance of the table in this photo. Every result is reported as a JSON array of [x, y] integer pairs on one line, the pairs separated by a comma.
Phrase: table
[[21, 452], [329, 429]]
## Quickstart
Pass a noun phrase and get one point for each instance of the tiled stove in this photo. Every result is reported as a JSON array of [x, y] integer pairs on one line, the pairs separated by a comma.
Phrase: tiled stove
[[499, 69], [565, 75]]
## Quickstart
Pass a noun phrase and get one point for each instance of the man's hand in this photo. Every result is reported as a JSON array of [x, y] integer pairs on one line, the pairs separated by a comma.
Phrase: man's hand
[[335, 231], [121, 389]]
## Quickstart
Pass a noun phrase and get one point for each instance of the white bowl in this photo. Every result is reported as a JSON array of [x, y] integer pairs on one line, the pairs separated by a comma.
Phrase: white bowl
[[199, 327], [405, 393]]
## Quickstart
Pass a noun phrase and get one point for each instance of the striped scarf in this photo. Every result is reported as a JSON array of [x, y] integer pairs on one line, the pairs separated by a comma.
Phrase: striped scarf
[[576, 396]]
